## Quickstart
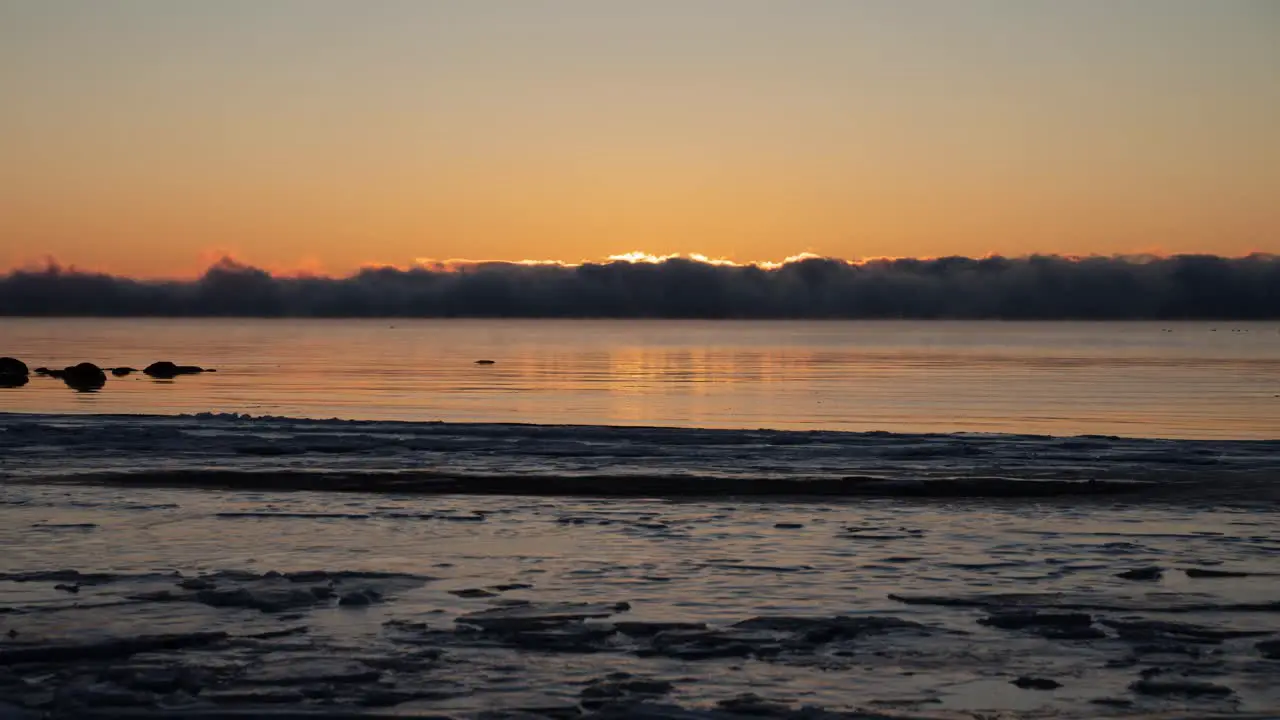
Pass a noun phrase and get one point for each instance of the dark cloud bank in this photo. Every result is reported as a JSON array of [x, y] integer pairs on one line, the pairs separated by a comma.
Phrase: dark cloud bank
[[1037, 287]]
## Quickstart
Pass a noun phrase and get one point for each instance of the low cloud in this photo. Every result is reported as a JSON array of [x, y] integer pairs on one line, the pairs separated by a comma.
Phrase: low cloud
[[639, 285]]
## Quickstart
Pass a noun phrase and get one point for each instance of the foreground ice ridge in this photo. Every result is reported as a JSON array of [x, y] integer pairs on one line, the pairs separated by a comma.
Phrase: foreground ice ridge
[[287, 454]]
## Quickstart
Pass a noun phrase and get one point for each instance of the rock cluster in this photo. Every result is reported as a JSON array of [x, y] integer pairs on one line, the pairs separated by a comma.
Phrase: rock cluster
[[88, 377]]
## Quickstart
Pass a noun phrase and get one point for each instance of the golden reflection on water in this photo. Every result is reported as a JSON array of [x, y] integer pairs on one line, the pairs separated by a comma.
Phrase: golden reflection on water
[[1049, 378]]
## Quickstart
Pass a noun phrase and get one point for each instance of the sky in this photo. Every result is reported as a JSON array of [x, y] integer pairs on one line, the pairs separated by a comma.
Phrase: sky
[[149, 137]]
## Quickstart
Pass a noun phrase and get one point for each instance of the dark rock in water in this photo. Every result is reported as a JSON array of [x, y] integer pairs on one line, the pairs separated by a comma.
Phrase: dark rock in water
[[506, 587], [67, 588], [84, 377], [12, 366], [13, 381], [107, 649], [788, 526], [485, 362], [122, 371], [166, 370], [13, 372], [42, 371], [1182, 688], [1203, 573], [1034, 683], [1270, 649], [1147, 573]]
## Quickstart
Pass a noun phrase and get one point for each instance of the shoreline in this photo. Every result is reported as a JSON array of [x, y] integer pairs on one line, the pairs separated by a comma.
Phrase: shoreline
[[480, 425], [850, 488], [238, 452]]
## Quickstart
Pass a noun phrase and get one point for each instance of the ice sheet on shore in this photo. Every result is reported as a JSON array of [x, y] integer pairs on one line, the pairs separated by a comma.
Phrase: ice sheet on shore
[[201, 602], [435, 668]]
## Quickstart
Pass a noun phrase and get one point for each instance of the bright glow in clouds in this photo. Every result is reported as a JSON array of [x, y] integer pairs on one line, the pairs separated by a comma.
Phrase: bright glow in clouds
[[634, 257]]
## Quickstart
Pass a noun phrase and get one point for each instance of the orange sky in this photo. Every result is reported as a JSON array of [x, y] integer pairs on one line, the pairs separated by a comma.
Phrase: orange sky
[[146, 137]]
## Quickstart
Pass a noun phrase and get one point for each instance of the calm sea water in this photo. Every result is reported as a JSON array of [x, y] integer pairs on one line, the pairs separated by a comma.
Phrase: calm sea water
[[1185, 380]]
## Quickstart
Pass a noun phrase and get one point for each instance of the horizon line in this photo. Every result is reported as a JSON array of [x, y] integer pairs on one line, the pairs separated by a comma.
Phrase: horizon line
[[229, 261]]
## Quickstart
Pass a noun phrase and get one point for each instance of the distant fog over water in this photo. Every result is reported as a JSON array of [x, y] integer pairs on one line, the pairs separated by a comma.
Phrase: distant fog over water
[[1037, 287]]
